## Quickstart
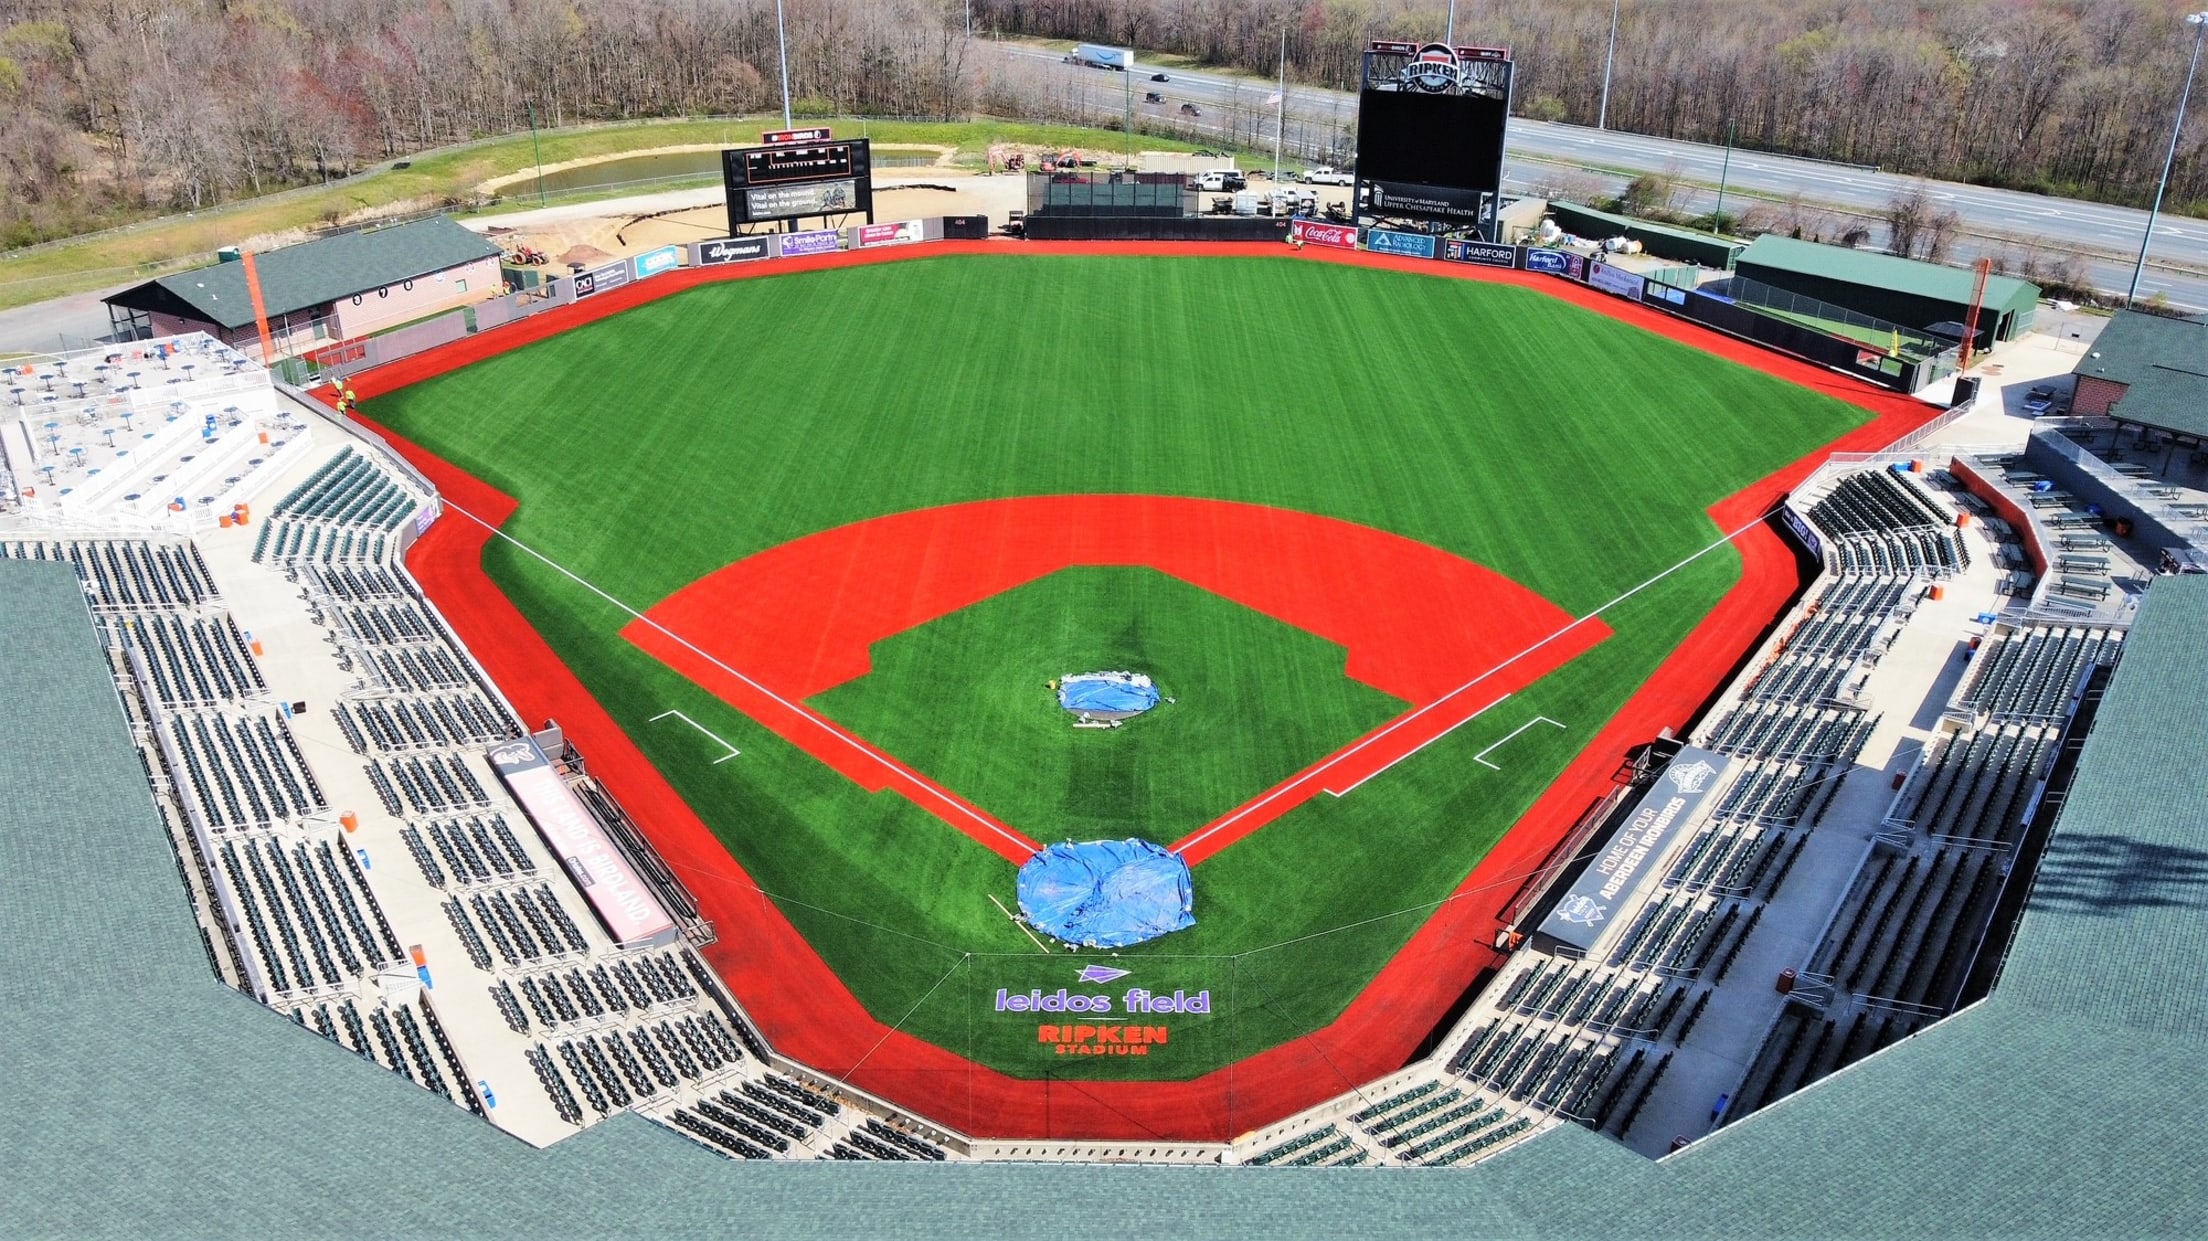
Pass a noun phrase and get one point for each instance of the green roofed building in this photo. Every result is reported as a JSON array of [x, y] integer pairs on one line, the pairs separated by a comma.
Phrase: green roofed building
[[335, 288], [1662, 240], [2147, 371], [1927, 296], [144, 1099]]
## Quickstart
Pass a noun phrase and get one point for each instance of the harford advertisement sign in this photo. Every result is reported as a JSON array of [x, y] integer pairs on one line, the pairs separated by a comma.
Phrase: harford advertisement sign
[[819, 241], [1668, 804], [1556, 263], [1312, 232], [1484, 253], [1410, 245], [1095, 1034]]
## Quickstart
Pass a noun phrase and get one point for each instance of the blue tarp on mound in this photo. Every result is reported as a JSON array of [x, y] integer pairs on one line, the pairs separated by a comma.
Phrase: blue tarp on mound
[[1107, 691], [1106, 893]]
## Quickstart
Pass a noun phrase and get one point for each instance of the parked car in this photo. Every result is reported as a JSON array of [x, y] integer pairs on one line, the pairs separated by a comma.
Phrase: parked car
[[1327, 175], [1159, 77]]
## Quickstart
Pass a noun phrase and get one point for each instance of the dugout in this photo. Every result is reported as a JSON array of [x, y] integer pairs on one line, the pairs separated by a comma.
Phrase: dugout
[[1665, 242], [1904, 291]]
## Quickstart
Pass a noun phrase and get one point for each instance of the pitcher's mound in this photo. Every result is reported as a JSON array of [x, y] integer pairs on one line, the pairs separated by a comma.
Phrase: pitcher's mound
[[1103, 699]]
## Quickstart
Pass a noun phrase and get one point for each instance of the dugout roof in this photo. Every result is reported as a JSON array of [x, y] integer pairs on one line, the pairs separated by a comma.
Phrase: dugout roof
[[2163, 365], [312, 273], [144, 1098]]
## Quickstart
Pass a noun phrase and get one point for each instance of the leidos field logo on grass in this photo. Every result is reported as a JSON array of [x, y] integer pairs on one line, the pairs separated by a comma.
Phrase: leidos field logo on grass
[[1103, 1040]]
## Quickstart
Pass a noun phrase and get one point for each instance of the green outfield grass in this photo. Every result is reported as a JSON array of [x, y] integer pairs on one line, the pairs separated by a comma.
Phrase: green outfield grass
[[1548, 442]]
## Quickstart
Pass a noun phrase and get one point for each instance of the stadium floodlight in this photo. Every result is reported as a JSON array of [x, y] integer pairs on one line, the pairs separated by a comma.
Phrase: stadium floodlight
[[2199, 23]]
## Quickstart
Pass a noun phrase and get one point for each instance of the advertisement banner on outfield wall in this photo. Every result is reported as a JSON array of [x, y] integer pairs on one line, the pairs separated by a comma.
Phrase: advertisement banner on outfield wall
[[730, 250], [600, 279], [653, 262], [1557, 263], [819, 241], [1616, 280], [900, 233], [1312, 232], [1484, 253], [1409, 245], [1666, 806]]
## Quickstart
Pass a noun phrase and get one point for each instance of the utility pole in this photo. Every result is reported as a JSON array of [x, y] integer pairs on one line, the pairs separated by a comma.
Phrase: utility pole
[[782, 45], [1280, 118], [1451, 37], [2199, 23], [539, 148], [1609, 58], [1717, 217]]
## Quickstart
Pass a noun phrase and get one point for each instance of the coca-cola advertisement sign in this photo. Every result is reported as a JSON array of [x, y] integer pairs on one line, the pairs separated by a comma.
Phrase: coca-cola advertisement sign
[[1318, 233]]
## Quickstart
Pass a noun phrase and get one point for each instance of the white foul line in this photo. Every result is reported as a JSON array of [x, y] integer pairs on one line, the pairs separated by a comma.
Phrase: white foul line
[[1420, 746], [800, 711], [1481, 757], [732, 750]]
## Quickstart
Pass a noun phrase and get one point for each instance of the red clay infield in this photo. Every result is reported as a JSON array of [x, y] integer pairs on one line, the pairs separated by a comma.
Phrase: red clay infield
[[805, 1010], [1447, 636]]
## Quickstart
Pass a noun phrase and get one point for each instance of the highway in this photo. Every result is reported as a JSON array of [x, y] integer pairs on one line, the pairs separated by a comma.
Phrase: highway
[[2006, 223]]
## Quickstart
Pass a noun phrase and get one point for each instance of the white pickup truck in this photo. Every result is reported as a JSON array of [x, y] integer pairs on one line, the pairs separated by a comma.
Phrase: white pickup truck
[[1327, 174]]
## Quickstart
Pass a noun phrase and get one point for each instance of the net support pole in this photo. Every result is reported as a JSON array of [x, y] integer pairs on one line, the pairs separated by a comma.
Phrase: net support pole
[[260, 308]]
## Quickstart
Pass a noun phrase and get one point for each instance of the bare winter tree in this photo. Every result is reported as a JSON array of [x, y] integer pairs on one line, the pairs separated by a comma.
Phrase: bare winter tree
[[1917, 227], [116, 108]]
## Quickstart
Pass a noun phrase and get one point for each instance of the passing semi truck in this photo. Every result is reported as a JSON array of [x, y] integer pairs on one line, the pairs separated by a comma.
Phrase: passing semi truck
[[1101, 57]]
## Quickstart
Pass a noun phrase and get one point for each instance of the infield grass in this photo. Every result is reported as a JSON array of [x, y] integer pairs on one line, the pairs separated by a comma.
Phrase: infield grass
[[1562, 449], [965, 699]]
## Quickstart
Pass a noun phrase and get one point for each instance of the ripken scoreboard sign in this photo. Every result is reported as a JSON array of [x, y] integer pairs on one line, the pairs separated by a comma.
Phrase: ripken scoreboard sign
[[797, 180]]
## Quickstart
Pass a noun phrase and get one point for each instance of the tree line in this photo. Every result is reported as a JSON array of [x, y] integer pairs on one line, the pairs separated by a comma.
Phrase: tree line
[[116, 108], [2074, 97]]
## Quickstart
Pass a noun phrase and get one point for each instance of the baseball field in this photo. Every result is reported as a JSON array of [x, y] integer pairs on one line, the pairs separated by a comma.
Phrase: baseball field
[[1395, 546]]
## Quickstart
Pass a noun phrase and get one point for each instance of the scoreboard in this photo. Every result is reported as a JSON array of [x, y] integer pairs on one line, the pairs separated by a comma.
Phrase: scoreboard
[[796, 180], [1430, 129]]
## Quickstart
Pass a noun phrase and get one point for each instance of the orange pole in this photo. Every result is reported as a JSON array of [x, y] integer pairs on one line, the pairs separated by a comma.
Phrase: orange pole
[[260, 309], [1970, 323]]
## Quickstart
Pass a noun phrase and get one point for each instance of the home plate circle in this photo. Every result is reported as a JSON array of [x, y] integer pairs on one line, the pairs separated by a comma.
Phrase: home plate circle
[[1106, 893]]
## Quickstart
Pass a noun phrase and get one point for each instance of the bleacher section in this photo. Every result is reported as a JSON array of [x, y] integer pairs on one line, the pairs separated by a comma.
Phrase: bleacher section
[[2029, 674], [127, 575], [1905, 935], [1880, 524], [349, 511]]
